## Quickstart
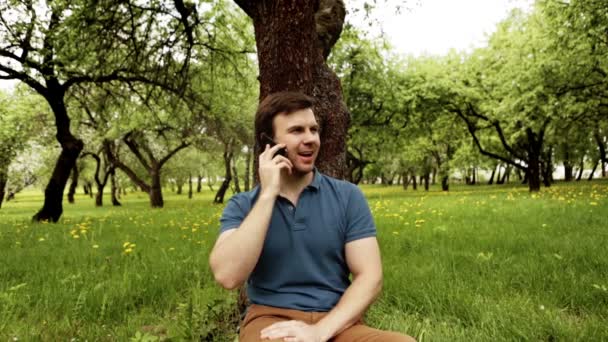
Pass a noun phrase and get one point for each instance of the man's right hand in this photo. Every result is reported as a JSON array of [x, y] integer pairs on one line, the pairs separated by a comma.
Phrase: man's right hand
[[270, 167]]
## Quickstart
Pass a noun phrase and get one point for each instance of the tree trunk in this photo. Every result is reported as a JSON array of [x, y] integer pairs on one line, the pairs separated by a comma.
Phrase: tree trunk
[[85, 188], [73, 184], [414, 184], [434, 176], [114, 189], [219, 197], [3, 181], [99, 195], [292, 57], [156, 192], [602, 150], [445, 185], [248, 168], [406, 180], [190, 186], [426, 181], [491, 181], [568, 174], [581, 169], [180, 187], [533, 174], [199, 185], [474, 176], [597, 162], [237, 187], [70, 149]]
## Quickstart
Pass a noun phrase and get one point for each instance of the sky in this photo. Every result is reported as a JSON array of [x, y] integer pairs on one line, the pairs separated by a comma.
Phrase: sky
[[429, 26], [436, 26]]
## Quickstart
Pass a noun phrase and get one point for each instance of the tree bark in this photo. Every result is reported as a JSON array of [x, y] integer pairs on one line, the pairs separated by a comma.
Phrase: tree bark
[[414, 184], [199, 184], [73, 184], [190, 186], [426, 181], [581, 168], [406, 180], [70, 150], [445, 185], [491, 181], [237, 187], [533, 174], [248, 168], [602, 151], [219, 196], [3, 181], [99, 196], [156, 193], [114, 189], [597, 162]]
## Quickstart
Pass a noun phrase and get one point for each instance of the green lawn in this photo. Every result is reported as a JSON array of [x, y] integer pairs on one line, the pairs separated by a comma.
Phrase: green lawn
[[479, 263]]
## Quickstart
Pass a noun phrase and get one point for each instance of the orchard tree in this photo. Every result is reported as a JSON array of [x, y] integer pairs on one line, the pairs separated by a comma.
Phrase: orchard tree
[[52, 46]]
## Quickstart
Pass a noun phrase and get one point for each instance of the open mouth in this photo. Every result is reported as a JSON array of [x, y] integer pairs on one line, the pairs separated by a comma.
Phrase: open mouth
[[306, 154]]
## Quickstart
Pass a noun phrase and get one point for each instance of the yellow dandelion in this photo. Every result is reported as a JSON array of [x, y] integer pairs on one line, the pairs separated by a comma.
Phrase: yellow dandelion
[[593, 203], [124, 245], [95, 246], [132, 245], [395, 233], [41, 239], [76, 236], [128, 250]]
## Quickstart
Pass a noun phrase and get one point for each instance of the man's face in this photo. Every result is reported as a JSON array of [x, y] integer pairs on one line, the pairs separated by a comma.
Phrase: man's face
[[299, 131]]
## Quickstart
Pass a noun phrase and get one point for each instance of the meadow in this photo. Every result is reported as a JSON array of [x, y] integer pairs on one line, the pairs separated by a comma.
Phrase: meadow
[[480, 263]]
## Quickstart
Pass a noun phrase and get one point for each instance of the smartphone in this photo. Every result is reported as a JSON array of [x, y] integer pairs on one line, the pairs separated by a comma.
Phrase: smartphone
[[268, 140]]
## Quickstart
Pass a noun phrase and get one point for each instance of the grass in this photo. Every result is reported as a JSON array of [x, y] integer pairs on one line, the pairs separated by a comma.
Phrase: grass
[[478, 263]]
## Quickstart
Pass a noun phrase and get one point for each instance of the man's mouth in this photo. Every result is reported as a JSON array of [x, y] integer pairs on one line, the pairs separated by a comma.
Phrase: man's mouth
[[306, 153]]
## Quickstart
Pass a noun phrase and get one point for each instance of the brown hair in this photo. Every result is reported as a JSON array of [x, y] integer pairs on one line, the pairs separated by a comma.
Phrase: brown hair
[[275, 104]]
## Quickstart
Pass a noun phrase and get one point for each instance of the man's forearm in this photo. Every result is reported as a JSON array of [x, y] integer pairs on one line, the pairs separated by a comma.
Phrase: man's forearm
[[356, 299], [233, 259]]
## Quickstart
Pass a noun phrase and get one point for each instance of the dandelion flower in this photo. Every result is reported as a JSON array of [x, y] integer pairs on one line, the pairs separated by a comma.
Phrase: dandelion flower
[[41, 239], [95, 246]]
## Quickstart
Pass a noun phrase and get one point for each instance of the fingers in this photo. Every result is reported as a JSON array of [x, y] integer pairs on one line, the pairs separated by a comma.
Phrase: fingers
[[281, 330], [269, 152], [278, 159]]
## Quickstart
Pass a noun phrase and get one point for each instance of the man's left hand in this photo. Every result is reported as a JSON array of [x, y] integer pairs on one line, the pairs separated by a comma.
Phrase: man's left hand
[[292, 331]]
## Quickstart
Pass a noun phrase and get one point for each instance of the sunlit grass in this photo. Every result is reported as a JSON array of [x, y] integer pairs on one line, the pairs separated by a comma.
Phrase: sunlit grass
[[478, 263]]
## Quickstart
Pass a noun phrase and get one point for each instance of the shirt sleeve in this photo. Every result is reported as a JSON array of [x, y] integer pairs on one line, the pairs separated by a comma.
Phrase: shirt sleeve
[[234, 214], [359, 223]]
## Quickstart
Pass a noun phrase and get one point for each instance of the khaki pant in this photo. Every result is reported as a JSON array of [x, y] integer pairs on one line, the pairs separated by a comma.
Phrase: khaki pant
[[259, 317]]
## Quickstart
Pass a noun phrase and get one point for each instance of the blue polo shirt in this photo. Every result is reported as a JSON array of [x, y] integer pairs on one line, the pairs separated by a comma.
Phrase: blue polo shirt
[[303, 265]]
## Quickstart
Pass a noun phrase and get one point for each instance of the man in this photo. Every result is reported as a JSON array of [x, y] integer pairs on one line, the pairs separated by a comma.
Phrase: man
[[296, 239]]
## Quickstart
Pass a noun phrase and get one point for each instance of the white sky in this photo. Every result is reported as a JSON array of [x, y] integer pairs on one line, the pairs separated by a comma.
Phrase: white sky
[[429, 26], [436, 26]]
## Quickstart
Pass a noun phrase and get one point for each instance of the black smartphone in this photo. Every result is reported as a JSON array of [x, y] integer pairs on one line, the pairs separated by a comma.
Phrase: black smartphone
[[268, 140]]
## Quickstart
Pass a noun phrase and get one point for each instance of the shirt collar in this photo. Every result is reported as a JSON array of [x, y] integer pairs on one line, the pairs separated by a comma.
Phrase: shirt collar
[[316, 180]]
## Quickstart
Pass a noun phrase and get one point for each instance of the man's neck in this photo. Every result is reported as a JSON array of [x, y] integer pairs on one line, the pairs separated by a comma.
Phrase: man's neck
[[292, 185]]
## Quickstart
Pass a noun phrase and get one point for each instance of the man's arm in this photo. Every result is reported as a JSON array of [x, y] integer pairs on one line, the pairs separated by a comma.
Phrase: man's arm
[[236, 251], [363, 259]]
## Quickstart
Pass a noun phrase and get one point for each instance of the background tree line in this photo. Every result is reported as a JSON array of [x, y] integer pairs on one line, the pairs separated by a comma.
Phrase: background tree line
[[162, 96]]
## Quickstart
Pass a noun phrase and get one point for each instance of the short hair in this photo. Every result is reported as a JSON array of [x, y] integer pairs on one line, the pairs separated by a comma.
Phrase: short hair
[[275, 104]]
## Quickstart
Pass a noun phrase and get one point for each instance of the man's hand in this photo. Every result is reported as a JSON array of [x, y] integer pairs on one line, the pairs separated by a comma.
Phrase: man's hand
[[293, 331], [270, 169]]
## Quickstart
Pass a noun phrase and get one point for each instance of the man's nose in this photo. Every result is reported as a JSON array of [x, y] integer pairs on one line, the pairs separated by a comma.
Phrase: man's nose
[[309, 137]]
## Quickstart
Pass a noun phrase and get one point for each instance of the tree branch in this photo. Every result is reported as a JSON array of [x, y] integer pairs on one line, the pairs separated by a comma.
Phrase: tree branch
[[172, 153]]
